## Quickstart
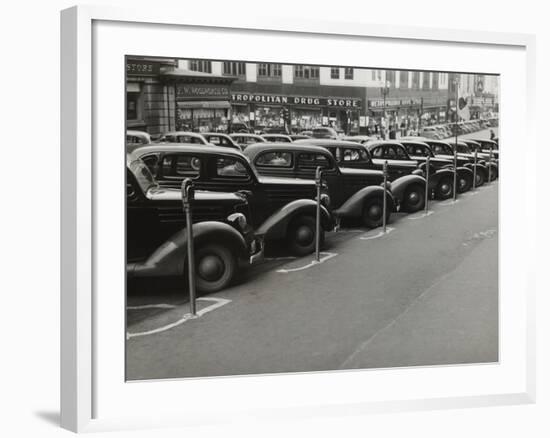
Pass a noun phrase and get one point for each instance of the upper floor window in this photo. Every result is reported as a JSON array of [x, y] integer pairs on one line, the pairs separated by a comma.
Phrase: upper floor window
[[306, 72], [425, 80], [415, 80], [376, 75], [435, 80], [234, 68], [269, 70], [202, 66], [403, 79], [390, 77], [348, 73], [335, 73]]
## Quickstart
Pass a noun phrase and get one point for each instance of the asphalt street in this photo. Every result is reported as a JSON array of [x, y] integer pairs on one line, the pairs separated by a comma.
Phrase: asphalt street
[[424, 293]]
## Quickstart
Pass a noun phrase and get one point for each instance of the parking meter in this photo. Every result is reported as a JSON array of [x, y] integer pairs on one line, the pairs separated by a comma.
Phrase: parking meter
[[384, 200], [187, 196], [318, 183]]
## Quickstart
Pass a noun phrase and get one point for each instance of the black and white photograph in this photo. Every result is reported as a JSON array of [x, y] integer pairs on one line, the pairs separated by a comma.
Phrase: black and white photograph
[[289, 218]]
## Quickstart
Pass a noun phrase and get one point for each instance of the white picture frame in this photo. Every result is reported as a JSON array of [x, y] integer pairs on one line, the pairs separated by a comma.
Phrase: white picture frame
[[80, 369]]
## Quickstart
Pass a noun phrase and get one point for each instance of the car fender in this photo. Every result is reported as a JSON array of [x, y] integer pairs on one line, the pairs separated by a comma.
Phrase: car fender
[[170, 258], [438, 175], [353, 207], [275, 226], [400, 185], [465, 172]]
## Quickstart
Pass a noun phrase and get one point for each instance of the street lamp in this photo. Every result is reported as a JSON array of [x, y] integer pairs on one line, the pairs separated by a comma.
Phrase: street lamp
[[385, 91]]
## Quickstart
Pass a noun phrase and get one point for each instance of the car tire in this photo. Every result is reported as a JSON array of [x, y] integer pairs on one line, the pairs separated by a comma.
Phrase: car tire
[[480, 179], [494, 174], [444, 188], [463, 183], [215, 267], [414, 198], [372, 212], [301, 236]]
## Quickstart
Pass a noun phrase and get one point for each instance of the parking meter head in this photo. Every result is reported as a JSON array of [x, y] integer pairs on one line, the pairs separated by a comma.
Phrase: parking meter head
[[187, 191]]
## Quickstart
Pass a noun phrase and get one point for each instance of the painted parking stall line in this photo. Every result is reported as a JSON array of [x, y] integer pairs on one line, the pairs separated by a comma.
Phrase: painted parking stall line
[[151, 306], [218, 302], [326, 256], [368, 236], [420, 215]]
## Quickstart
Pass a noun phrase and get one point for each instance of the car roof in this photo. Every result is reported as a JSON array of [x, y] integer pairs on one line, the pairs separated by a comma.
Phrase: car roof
[[255, 149], [187, 147], [214, 133], [189, 133], [328, 142], [244, 134], [375, 143]]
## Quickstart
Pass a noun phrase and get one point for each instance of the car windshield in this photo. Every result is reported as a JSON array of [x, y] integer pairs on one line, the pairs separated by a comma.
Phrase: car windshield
[[143, 175], [463, 149]]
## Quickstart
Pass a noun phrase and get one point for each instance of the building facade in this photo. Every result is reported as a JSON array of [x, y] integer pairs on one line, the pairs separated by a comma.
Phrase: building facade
[[205, 95]]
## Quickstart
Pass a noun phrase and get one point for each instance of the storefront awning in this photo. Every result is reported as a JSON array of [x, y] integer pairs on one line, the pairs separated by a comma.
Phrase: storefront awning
[[205, 104]]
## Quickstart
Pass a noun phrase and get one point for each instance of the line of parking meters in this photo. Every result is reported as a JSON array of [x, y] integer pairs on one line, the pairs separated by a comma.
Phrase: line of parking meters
[[384, 200], [427, 193], [318, 183], [475, 170], [455, 170], [187, 198]]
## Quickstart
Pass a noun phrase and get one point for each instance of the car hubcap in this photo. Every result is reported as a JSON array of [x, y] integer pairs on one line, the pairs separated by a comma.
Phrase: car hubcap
[[375, 211], [462, 183], [210, 267], [413, 197], [445, 188], [304, 235]]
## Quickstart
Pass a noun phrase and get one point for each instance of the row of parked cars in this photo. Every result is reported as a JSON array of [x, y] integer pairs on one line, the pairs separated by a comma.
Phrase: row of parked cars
[[440, 132], [251, 195]]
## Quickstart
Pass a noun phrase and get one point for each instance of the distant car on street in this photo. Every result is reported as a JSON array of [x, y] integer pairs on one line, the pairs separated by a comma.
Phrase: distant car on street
[[136, 139], [277, 138], [240, 127], [219, 139], [182, 137], [244, 139], [324, 132]]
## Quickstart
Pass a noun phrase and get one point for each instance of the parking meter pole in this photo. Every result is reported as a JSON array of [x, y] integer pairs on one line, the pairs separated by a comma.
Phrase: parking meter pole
[[384, 200], [186, 195], [427, 194], [490, 161], [318, 214], [475, 169], [454, 175]]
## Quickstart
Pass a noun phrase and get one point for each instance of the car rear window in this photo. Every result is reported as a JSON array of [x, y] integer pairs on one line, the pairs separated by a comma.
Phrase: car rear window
[[274, 159], [231, 168], [312, 161], [177, 165]]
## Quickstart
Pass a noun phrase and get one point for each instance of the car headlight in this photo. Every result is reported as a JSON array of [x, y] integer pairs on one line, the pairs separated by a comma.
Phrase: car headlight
[[325, 200], [238, 220]]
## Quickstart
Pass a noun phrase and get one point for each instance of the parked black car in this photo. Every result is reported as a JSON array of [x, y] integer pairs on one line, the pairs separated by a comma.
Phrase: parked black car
[[354, 193], [279, 208], [156, 238], [244, 139], [419, 151], [401, 164], [465, 151], [443, 149]]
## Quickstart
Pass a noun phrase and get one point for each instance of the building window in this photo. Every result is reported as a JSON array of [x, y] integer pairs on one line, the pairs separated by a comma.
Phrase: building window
[[335, 72], [234, 68], [415, 80], [270, 70], [306, 72], [376, 75], [202, 66], [435, 80], [348, 73], [390, 77], [403, 79], [132, 106], [425, 80]]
